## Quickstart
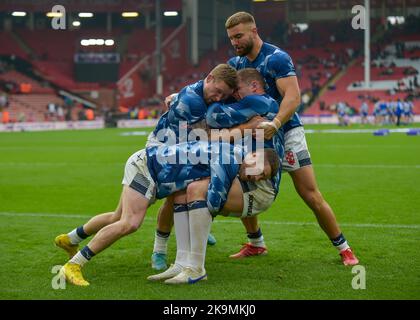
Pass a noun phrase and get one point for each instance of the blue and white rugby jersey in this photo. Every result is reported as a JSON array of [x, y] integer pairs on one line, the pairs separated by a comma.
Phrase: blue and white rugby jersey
[[188, 107], [220, 115], [273, 63], [173, 167]]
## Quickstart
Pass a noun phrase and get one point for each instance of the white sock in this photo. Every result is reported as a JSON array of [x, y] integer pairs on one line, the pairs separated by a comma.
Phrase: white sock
[[74, 237], [200, 223], [257, 242], [340, 242], [343, 246], [161, 243], [78, 258], [182, 233]]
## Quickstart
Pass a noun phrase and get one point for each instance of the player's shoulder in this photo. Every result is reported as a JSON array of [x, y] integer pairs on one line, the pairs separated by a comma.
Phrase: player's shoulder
[[254, 98], [193, 93], [274, 53]]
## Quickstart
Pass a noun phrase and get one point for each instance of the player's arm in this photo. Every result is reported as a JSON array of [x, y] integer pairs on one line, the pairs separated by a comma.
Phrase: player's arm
[[289, 89], [189, 107], [235, 118], [235, 132], [283, 70]]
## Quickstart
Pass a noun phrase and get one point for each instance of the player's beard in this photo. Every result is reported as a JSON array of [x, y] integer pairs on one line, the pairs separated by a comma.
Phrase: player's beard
[[207, 99], [246, 49]]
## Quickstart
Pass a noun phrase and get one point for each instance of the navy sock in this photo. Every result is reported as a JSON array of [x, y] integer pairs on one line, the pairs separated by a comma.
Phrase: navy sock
[[81, 233], [87, 253], [339, 240], [163, 234], [197, 204], [255, 235]]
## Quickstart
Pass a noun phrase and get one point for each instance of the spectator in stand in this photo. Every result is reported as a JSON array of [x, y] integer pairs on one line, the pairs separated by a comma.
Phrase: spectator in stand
[[60, 113], [25, 87], [4, 101], [90, 115], [51, 111], [5, 118], [142, 114], [21, 117], [81, 115], [68, 116]]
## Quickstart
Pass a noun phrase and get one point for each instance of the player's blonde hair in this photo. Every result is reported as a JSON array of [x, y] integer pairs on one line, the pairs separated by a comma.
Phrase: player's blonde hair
[[238, 18], [225, 73]]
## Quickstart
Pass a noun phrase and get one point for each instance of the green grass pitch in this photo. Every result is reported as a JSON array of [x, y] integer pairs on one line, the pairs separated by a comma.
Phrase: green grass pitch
[[51, 182]]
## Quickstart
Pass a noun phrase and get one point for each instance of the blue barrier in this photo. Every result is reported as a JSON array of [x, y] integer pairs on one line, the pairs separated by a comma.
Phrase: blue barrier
[[381, 132]]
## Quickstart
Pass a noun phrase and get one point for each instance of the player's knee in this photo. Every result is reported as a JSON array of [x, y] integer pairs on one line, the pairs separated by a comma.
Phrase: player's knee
[[197, 190], [115, 217], [128, 227]]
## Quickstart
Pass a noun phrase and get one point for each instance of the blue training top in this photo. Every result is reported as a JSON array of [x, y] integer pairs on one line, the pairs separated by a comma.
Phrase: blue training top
[[273, 63], [173, 167], [222, 115], [188, 107]]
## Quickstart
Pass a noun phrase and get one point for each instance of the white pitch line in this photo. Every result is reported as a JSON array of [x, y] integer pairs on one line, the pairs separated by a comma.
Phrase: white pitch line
[[293, 223], [369, 166]]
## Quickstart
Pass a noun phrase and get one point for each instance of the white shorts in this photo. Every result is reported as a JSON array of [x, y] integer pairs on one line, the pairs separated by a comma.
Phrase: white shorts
[[152, 141], [137, 176], [258, 197], [296, 153]]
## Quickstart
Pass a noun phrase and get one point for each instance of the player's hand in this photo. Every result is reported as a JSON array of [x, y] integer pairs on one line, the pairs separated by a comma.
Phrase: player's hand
[[270, 128], [254, 122], [169, 99]]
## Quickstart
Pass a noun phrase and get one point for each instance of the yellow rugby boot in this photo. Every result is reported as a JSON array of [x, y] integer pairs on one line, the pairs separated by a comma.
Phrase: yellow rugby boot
[[63, 241], [73, 274]]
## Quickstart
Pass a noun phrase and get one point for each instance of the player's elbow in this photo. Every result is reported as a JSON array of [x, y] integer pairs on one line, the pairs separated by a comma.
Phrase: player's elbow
[[292, 94], [295, 98], [298, 99], [211, 122]]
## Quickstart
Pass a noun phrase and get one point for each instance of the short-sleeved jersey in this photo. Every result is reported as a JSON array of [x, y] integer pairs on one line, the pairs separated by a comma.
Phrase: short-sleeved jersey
[[273, 63], [408, 108], [399, 107], [173, 167], [364, 109], [341, 109], [188, 107], [221, 115]]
